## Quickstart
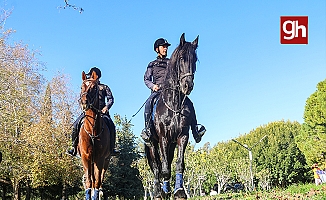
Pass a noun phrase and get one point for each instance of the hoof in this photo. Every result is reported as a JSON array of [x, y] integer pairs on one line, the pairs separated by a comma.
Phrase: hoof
[[166, 195], [180, 194]]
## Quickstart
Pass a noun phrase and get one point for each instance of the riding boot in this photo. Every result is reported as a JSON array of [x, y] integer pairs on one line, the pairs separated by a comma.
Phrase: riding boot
[[75, 138], [113, 133], [146, 132], [198, 133]]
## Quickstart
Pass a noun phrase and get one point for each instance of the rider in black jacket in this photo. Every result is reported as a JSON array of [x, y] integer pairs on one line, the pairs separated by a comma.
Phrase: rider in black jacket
[[104, 93], [153, 78]]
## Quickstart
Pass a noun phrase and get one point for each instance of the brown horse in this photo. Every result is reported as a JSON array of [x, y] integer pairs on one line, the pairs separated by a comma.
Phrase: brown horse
[[94, 137]]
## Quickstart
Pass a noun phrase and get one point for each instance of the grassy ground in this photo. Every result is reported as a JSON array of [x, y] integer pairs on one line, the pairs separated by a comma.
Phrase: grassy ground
[[295, 192]]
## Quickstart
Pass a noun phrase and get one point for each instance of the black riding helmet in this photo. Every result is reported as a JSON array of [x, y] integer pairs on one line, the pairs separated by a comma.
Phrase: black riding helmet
[[96, 70], [160, 42]]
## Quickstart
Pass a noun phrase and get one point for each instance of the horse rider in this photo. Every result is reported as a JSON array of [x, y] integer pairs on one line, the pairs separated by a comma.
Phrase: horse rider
[[153, 78], [104, 91]]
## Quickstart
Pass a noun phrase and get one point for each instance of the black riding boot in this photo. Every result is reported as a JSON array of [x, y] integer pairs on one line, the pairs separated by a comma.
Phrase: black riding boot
[[146, 133], [113, 133], [75, 138], [198, 134]]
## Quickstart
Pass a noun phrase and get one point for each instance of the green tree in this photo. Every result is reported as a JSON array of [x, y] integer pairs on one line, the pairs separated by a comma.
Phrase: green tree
[[279, 154], [123, 179], [312, 137]]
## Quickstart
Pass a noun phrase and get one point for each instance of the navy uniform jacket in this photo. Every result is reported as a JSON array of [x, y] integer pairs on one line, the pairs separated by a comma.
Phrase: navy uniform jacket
[[155, 72]]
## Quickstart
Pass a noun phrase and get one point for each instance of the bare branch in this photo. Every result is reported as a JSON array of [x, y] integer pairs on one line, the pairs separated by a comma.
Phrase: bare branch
[[67, 5]]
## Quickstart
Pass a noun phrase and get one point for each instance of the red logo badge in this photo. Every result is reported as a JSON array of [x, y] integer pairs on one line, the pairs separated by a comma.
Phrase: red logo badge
[[294, 29]]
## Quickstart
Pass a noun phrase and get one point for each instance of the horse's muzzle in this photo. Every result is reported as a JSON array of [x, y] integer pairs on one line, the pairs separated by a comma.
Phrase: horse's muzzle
[[187, 87]]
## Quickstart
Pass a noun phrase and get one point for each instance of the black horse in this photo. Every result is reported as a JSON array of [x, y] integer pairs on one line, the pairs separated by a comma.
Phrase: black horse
[[173, 113]]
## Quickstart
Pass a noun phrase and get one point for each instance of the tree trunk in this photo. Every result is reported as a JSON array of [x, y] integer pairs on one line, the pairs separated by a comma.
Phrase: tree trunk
[[4, 190], [28, 191], [63, 194], [17, 190]]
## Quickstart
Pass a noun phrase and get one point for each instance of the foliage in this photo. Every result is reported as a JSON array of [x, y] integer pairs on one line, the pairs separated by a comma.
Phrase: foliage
[[20, 83], [298, 192], [312, 137], [277, 161], [123, 179], [35, 120]]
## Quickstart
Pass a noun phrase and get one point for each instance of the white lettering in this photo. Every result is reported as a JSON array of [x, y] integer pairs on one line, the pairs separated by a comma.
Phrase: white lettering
[[303, 30], [292, 31]]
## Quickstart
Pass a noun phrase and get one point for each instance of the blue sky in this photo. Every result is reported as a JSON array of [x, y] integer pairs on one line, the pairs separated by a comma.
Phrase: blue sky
[[245, 78]]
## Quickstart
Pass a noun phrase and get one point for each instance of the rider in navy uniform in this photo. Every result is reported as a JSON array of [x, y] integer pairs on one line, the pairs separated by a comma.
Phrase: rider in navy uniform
[[153, 78], [104, 93]]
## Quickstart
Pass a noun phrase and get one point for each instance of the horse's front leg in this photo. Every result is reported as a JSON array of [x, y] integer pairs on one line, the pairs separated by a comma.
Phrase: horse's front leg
[[98, 172], [164, 152], [87, 176], [167, 175], [154, 162], [180, 166]]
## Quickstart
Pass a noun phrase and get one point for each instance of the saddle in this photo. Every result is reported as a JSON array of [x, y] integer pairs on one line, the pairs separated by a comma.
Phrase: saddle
[[105, 118]]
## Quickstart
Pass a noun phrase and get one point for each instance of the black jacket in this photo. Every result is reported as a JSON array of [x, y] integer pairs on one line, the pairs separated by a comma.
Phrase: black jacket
[[105, 91], [155, 72]]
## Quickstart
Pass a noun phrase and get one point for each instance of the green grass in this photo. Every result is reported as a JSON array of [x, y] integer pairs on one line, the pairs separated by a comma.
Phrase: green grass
[[294, 192]]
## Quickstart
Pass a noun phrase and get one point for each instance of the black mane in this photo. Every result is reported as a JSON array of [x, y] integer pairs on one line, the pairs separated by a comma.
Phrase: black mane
[[181, 51]]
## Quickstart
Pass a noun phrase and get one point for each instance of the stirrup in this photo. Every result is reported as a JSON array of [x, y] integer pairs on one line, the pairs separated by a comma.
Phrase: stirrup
[[72, 152], [201, 131]]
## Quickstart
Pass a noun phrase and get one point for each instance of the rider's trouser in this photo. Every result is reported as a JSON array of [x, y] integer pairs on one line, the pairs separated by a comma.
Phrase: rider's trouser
[[148, 109]]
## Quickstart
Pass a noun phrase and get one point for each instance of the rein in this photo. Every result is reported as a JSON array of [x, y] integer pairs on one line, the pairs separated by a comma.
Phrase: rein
[[178, 88], [91, 105], [173, 110]]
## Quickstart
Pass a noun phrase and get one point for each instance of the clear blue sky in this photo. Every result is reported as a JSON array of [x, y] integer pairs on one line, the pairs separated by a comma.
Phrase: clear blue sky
[[245, 78]]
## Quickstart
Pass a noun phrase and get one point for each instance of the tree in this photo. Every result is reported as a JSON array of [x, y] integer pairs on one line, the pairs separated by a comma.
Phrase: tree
[[312, 137], [279, 154], [20, 83], [45, 140], [123, 179]]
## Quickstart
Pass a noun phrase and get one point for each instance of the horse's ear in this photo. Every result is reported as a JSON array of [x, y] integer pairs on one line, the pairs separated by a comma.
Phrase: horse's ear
[[94, 75], [182, 39], [83, 76], [195, 42]]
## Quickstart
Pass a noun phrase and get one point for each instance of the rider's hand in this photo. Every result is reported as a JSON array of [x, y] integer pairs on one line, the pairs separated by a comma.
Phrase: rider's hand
[[105, 110], [155, 88]]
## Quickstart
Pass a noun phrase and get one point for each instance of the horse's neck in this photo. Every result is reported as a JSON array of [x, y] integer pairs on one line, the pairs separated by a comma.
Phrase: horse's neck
[[92, 121], [172, 94]]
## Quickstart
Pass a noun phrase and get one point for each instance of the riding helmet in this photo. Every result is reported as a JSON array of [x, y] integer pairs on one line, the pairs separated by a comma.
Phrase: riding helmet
[[96, 70], [160, 42]]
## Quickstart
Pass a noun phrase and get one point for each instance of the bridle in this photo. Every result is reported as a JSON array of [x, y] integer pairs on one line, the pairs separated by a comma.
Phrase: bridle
[[90, 100], [177, 88], [91, 104]]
